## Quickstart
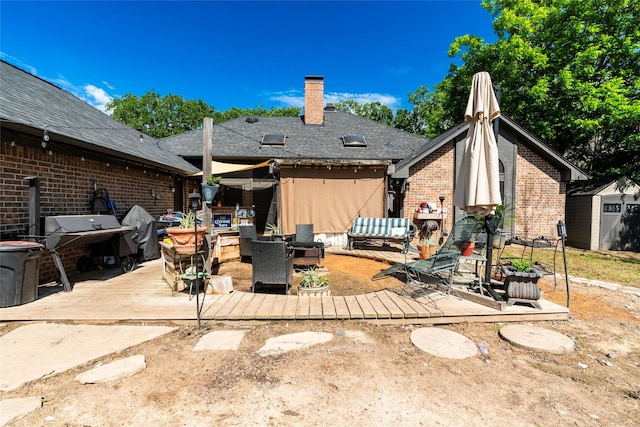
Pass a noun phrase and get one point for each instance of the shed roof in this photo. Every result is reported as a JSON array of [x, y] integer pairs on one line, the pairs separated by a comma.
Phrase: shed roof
[[28, 104]]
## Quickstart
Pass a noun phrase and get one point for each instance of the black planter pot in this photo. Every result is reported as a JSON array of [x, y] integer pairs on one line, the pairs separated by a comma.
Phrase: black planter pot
[[521, 286]]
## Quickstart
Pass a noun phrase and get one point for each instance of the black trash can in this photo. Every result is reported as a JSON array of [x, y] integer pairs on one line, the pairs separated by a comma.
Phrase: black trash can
[[19, 272]]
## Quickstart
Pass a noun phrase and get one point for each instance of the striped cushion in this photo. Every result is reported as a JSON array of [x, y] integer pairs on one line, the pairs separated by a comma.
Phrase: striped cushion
[[380, 227]]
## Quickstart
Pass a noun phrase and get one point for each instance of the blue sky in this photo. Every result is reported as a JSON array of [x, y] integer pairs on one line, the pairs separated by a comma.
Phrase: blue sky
[[241, 53]]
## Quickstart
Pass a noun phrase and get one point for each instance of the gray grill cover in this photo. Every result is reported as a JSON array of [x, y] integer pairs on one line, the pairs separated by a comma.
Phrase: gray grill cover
[[147, 236]]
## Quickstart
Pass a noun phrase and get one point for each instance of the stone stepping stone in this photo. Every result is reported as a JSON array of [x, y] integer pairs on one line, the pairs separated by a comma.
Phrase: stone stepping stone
[[443, 343], [535, 338], [290, 342]]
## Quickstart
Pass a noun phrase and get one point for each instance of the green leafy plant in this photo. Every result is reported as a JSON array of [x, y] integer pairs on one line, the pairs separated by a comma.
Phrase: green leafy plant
[[188, 220], [273, 228], [312, 279], [427, 240], [212, 180], [521, 265]]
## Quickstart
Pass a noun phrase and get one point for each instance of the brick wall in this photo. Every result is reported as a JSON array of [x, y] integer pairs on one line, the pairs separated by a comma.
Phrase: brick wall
[[431, 178], [540, 196], [66, 188]]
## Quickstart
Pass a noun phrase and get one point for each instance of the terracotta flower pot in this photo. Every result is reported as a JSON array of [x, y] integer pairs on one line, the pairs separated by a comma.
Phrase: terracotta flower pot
[[425, 251], [467, 248], [184, 239]]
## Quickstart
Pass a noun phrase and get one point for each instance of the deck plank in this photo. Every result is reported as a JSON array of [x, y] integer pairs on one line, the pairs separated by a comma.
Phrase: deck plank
[[315, 308], [229, 304], [395, 311], [241, 306], [290, 307], [381, 311], [302, 310], [355, 311], [368, 310], [342, 311], [250, 310], [328, 307], [264, 310]]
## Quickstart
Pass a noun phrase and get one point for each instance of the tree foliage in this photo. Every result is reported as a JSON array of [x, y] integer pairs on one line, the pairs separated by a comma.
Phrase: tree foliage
[[159, 116], [568, 71]]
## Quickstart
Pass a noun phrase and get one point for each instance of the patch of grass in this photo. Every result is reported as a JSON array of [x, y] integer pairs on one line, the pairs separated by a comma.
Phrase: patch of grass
[[611, 266]]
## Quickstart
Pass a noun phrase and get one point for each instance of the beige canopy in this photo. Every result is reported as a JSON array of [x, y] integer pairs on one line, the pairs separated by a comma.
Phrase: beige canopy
[[220, 168]]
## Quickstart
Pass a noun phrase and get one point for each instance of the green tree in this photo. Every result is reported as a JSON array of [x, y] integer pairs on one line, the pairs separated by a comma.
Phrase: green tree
[[371, 110], [159, 116], [568, 70]]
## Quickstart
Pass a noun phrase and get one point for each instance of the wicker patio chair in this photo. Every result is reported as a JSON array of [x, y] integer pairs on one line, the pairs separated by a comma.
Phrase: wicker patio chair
[[272, 264], [304, 233], [248, 233]]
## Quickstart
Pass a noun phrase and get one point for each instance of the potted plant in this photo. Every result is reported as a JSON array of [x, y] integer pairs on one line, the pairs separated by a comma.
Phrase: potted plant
[[426, 247], [184, 236], [210, 188], [521, 281], [313, 283], [274, 230], [504, 218]]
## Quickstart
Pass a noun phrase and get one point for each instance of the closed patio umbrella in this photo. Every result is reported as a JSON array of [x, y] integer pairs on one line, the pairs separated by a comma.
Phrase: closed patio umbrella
[[477, 189]]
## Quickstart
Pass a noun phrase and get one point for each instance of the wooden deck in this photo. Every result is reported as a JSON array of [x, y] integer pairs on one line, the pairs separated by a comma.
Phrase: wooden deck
[[142, 295]]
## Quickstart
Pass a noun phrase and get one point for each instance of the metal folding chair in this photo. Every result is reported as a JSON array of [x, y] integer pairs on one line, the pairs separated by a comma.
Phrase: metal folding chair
[[444, 261]]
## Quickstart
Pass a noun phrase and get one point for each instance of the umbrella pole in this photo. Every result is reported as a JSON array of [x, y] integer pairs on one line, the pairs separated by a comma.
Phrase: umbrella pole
[[490, 228]]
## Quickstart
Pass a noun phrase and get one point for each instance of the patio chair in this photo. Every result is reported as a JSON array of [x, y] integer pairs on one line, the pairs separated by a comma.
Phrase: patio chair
[[272, 264], [248, 233], [444, 261], [304, 233]]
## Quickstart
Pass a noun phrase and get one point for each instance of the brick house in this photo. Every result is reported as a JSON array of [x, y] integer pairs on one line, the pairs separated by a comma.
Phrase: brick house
[[533, 177], [83, 146], [382, 171]]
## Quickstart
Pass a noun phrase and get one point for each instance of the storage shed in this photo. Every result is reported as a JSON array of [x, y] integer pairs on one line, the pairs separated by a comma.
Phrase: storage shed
[[603, 215]]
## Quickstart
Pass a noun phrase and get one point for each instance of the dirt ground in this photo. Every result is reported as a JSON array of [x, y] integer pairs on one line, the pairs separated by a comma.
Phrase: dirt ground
[[381, 380]]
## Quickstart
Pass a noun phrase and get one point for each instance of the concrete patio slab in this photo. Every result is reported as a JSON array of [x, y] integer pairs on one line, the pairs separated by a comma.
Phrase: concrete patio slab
[[36, 350], [11, 409]]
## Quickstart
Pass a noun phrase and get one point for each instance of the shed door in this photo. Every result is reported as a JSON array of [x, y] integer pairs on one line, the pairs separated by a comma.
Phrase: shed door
[[620, 223]]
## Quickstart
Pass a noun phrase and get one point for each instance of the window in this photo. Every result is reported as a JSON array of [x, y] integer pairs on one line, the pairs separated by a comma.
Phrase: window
[[633, 208], [273, 139], [612, 207], [354, 141]]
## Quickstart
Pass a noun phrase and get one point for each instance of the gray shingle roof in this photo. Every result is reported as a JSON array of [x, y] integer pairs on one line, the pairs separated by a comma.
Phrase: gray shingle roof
[[29, 102], [239, 139]]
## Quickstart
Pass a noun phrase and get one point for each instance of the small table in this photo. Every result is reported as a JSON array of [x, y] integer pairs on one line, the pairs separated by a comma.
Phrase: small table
[[307, 253], [479, 260]]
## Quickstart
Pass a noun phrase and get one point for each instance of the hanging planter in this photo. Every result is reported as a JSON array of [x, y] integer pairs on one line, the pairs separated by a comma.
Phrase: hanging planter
[[210, 188]]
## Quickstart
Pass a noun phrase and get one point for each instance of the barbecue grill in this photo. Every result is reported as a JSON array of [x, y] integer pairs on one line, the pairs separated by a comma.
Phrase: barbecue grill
[[64, 231]]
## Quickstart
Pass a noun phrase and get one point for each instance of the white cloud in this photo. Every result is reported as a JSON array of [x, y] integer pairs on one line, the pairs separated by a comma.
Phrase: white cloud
[[97, 97], [294, 100]]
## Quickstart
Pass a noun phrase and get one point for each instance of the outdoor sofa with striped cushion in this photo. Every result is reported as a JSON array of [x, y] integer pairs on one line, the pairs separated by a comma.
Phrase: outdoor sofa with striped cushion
[[399, 229]]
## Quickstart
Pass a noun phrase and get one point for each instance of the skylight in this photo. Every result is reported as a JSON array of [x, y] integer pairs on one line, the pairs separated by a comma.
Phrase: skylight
[[273, 139], [354, 141]]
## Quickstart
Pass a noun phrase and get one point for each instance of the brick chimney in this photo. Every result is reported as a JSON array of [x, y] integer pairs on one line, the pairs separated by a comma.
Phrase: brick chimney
[[314, 100]]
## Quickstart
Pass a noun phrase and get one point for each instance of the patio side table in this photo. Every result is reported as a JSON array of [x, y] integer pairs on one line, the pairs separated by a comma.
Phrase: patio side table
[[307, 253]]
